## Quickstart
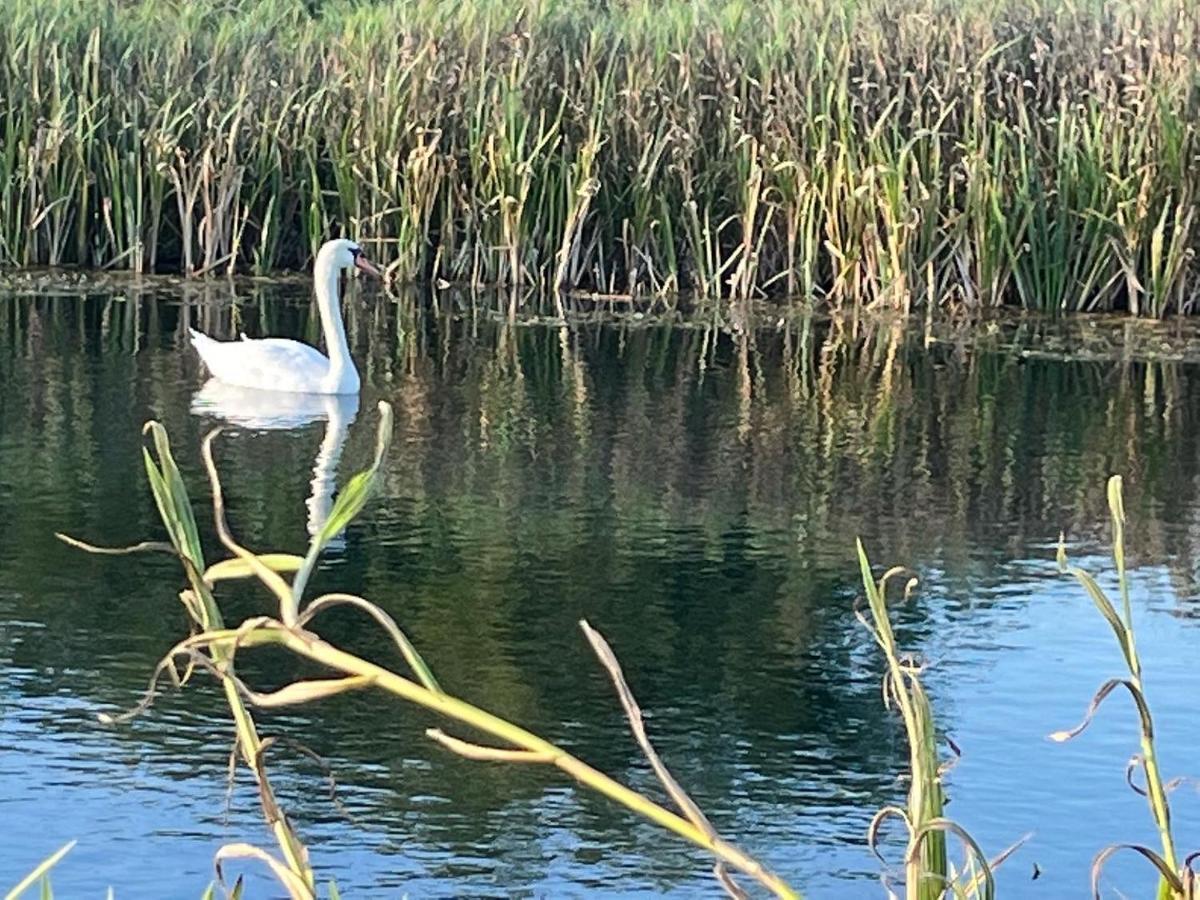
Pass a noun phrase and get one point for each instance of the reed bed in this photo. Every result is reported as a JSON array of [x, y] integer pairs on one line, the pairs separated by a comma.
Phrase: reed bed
[[894, 154]]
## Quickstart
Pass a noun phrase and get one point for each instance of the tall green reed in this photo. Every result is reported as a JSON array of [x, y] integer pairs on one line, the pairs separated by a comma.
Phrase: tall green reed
[[1177, 880], [928, 872], [871, 154]]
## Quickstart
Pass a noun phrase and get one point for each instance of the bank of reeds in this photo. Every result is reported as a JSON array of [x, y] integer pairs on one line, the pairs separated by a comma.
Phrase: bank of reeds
[[892, 153]]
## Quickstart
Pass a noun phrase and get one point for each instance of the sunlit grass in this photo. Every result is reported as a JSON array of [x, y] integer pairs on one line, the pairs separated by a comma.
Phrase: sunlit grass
[[40, 876], [920, 152]]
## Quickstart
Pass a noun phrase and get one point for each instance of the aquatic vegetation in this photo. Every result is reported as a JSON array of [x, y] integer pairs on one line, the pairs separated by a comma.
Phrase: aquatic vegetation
[[214, 645], [1177, 879], [928, 872], [892, 154], [40, 875]]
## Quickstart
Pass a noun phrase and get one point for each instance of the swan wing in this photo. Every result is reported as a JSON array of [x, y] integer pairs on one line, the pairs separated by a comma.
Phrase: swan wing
[[275, 364]]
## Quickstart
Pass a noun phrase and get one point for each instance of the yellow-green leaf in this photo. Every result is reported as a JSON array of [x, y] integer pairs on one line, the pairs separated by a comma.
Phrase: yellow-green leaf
[[45, 866], [306, 691], [241, 568]]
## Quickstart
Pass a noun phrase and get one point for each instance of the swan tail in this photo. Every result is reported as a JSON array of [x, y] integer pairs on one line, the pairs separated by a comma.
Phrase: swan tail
[[204, 347]]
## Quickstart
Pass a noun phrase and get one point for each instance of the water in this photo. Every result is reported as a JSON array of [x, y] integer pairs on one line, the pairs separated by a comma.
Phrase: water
[[694, 493]]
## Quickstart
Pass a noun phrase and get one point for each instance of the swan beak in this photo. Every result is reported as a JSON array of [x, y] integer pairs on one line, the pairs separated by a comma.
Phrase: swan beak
[[361, 262]]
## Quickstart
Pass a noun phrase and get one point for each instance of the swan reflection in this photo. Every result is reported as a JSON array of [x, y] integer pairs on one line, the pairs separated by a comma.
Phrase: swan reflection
[[261, 410]]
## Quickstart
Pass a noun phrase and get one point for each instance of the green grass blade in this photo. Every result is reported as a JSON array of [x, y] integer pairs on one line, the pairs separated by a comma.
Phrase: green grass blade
[[347, 506], [42, 868], [237, 567]]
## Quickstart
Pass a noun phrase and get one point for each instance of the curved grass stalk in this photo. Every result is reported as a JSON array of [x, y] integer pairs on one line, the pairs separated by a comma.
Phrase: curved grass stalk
[[928, 874], [174, 506], [541, 751], [1173, 881], [215, 646]]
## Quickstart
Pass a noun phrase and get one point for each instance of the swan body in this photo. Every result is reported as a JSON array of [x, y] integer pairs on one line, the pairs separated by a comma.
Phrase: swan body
[[279, 364]]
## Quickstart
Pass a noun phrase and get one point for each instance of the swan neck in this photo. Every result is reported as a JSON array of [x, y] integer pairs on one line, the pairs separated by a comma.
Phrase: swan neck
[[324, 482], [328, 305]]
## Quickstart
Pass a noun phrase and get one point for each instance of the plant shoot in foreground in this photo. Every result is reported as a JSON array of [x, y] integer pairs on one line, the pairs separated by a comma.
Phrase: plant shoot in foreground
[[214, 646]]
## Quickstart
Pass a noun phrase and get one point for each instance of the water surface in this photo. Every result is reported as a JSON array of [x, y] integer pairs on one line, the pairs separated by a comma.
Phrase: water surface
[[694, 492]]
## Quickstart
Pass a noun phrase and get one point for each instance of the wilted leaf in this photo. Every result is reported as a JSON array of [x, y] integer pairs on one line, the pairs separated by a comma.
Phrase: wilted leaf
[[414, 659], [295, 885], [877, 820], [1169, 876], [1104, 690], [306, 691], [983, 885]]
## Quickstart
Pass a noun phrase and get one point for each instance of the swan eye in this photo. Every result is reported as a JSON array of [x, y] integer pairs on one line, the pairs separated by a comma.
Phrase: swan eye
[[356, 252]]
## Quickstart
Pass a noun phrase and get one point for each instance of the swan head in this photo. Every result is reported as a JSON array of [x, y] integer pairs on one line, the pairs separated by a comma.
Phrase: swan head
[[343, 253]]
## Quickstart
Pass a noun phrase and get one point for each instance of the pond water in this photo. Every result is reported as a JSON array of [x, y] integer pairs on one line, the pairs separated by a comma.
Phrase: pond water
[[694, 492]]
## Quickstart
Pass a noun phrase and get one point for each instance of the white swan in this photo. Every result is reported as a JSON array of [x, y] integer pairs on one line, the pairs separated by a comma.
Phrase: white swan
[[278, 364], [262, 411]]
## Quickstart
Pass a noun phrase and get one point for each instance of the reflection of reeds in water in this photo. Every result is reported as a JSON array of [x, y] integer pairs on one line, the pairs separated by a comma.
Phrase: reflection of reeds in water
[[639, 439], [889, 154], [694, 437], [929, 873], [828, 420]]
